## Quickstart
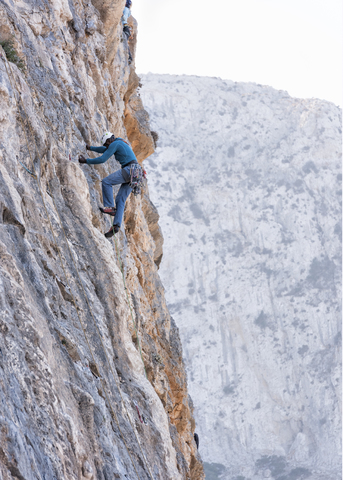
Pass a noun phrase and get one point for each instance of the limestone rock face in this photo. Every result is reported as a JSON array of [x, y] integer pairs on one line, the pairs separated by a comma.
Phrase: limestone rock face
[[75, 400], [247, 181]]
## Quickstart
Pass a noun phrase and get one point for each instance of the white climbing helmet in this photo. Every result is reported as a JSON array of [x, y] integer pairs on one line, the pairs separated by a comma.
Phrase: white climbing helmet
[[105, 137]]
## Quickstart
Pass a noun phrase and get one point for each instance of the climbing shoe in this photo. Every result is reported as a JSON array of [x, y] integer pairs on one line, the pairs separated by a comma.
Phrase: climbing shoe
[[127, 31], [114, 229], [108, 210]]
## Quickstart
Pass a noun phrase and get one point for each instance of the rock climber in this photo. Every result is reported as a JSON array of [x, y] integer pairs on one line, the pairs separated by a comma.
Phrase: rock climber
[[126, 28], [196, 439], [124, 155], [125, 16]]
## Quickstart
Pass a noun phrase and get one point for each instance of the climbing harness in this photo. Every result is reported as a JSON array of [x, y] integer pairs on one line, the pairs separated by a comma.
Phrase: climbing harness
[[137, 178], [137, 173], [34, 174]]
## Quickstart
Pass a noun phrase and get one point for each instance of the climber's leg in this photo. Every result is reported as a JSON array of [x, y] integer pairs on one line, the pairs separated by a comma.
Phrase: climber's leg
[[115, 178], [123, 193]]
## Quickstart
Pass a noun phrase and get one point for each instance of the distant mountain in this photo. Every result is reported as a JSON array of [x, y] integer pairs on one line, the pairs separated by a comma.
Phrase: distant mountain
[[247, 181]]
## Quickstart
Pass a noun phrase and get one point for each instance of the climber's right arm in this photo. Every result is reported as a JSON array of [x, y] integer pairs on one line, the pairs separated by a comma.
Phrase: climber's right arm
[[96, 149], [108, 152]]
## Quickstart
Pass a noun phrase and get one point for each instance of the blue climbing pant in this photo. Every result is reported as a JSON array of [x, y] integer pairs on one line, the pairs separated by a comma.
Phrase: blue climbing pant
[[126, 15], [119, 177]]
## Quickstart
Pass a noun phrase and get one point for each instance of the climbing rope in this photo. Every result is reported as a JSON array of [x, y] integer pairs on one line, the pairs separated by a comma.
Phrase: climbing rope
[[100, 336], [34, 174], [127, 298]]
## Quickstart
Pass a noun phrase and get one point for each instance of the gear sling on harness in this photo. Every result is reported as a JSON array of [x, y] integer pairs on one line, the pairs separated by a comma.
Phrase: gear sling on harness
[[137, 177]]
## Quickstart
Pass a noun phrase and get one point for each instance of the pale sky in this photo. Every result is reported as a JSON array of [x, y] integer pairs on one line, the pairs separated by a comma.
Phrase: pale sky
[[292, 45]]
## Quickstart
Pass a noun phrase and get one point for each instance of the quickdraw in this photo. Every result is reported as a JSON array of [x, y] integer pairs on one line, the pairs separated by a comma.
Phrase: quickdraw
[[28, 171], [141, 417]]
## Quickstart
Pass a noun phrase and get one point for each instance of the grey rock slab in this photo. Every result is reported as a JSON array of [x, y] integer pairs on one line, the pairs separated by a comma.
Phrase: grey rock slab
[[70, 367]]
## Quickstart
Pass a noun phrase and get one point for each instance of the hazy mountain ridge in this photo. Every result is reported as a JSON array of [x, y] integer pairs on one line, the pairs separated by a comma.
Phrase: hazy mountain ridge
[[247, 182]]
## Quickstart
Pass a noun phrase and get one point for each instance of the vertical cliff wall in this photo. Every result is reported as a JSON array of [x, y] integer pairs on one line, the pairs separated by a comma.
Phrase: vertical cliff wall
[[75, 401], [248, 183]]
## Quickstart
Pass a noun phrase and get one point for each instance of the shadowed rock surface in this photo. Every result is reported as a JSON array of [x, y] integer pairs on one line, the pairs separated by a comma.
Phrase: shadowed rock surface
[[247, 181], [75, 402]]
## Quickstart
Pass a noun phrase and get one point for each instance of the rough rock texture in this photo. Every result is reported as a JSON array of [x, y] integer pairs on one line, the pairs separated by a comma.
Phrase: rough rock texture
[[75, 402], [247, 181]]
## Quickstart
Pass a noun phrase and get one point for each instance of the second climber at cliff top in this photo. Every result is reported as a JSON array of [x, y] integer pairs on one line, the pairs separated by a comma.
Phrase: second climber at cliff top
[[126, 28], [125, 16], [129, 177]]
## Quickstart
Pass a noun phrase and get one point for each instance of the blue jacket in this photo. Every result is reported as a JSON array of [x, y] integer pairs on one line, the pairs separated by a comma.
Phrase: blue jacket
[[122, 152]]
